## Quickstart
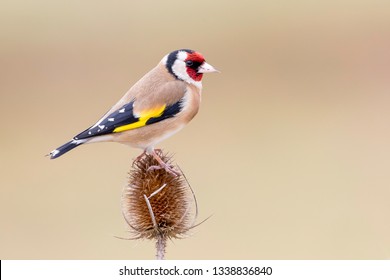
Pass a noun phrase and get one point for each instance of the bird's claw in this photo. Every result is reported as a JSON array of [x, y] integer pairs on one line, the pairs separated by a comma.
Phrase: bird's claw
[[167, 168], [138, 158]]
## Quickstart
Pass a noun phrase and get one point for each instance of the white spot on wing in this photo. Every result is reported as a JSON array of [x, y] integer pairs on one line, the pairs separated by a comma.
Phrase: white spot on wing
[[101, 126], [74, 141], [122, 110], [99, 121], [111, 119]]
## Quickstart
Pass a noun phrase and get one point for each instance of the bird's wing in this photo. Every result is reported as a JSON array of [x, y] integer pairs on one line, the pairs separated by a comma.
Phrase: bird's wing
[[144, 109]]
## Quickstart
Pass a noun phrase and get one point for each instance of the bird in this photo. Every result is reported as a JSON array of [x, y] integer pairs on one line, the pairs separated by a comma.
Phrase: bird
[[159, 105]]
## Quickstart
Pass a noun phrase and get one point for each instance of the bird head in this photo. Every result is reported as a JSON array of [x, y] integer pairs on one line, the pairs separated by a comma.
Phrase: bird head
[[187, 65]]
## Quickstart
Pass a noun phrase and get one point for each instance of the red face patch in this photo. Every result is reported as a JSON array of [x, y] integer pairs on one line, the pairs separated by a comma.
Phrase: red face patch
[[195, 56], [197, 59]]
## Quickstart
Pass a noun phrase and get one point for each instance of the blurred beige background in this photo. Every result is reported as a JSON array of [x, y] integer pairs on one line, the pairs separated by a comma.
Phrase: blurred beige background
[[290, 152]]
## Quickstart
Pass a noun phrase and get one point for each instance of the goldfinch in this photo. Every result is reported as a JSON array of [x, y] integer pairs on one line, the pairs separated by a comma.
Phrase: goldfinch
[[160, 104]]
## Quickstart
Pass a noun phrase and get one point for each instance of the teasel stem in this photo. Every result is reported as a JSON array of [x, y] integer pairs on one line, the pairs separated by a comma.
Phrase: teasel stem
[[161, 239], [160, 247]]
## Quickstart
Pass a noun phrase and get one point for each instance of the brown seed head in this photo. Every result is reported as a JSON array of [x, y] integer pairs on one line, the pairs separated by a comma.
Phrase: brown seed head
[[157, 204]]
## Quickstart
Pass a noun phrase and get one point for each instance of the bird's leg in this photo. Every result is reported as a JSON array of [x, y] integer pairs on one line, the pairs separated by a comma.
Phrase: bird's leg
[[144, 153], [167, 168]]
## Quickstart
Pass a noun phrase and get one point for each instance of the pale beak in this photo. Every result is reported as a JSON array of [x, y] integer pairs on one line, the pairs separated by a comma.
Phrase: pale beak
[[206, 68]]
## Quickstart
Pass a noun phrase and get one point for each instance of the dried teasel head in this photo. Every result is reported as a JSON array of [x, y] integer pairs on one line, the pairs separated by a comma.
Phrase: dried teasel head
[[158, 205]]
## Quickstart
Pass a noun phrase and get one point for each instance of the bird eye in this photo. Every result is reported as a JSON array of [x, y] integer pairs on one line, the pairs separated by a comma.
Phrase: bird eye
[[189, 63]]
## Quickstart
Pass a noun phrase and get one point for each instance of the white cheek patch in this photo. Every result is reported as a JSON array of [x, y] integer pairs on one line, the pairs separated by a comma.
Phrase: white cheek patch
[[179, 68]]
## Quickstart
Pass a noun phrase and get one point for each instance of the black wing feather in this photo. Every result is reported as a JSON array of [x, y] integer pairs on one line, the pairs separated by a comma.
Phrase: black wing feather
[[125, 116], [169, 112], [117, 118]]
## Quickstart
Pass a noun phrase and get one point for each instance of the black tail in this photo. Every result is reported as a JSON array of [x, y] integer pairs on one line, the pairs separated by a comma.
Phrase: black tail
[[65, 148]]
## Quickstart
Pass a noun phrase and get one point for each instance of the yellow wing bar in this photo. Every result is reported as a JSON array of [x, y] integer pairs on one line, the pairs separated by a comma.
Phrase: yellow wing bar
[[144, 117]]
